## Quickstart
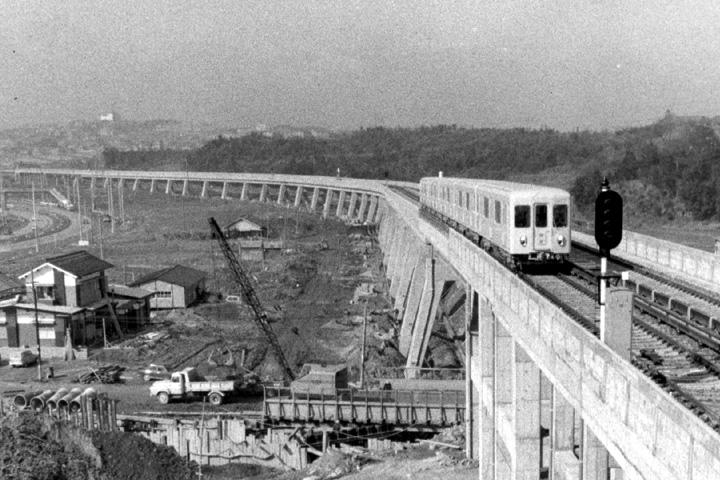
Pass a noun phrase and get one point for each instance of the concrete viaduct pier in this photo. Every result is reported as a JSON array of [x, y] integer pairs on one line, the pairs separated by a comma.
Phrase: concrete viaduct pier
[[544, 397]]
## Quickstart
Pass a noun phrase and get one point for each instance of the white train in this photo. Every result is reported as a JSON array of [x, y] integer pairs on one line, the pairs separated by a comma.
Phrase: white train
[[522, 224]]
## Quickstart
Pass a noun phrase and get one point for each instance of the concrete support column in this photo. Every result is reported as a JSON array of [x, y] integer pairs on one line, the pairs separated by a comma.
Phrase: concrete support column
[[223, 195], [413, 335], [340, 204], [105, 183], [281, 195], [298, 196], [328, 200], [263, 192], [406, 275], [92, 181], [152, 185], [397, 262], [135, 184], [373, 209], [185, 187], [473, 405], [504, 389], [363, 207], [526, 406], [168, 187], [353, 204], [410, 314], [595, 457], [204, 192], [244, 192], [315, 197], [391, 259], [485, 379], [563, 462]]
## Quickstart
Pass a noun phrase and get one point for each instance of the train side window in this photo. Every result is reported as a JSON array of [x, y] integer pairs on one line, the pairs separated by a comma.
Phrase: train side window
[[560, 216], [467, 200], [498, 211], [541, 216], [522, 216], [486, 207]]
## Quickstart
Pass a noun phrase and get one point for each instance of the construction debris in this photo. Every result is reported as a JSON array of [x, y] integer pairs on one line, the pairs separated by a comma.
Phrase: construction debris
[[105, 374]]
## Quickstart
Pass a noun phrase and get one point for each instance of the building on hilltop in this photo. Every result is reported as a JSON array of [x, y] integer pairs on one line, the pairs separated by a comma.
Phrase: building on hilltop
[[174, 287]]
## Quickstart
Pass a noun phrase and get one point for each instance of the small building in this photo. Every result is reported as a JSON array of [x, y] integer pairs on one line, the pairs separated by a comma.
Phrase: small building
[[132, 305], [243, 228], [71, 295], [173, 287], [18, 328]]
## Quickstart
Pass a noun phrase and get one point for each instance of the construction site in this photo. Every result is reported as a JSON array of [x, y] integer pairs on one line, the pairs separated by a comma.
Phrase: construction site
[[284, 362]]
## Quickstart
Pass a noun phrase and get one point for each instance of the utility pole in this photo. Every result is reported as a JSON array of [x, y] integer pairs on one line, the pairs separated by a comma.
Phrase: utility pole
[[37, 245], [362, 352], [111, 207], [37, 324]]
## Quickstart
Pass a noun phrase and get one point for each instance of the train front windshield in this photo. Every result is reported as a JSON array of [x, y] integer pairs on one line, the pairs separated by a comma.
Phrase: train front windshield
[[560, 216]]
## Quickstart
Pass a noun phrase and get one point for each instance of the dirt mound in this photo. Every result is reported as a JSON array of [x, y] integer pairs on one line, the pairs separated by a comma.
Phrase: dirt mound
[[39, 447], [132, 457], [33, 447]]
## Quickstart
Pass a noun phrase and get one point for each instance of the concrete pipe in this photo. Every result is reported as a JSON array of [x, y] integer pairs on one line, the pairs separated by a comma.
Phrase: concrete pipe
[[64, 402], [22, 400], [38, 403], [76, 403], [52, 401]]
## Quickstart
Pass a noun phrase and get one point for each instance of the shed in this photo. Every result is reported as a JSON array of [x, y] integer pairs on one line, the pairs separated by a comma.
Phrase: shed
[[242, 228], [173, 287], [132, 304], [18, 328]]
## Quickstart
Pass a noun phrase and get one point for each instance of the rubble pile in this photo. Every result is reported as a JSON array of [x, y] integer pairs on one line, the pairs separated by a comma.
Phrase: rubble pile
[[34, 446], [104, 374]]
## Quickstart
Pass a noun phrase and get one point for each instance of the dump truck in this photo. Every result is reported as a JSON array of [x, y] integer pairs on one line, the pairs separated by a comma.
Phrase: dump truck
[[189, 384]]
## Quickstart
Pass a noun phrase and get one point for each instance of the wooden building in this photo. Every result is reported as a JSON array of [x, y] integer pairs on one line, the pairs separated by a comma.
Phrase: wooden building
[[173, 287], [132, 305]]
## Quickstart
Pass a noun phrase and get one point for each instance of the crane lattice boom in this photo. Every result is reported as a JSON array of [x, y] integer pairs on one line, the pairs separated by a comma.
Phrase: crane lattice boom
[[251, 298]]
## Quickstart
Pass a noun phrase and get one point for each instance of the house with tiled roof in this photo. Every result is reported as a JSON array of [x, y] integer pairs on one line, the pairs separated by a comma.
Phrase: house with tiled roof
[[75, 279], [66, 295], [174, 287]]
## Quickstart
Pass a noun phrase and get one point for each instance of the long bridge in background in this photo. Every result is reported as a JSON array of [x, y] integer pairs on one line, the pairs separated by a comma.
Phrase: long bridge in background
[[543, 395]]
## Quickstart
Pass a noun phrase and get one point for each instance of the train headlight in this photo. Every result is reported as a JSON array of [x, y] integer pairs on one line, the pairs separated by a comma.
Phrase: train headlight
[[561, 240], [523, 240]]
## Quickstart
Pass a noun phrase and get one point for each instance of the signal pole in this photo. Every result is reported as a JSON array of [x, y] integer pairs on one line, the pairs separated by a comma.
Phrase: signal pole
[[608, 234]]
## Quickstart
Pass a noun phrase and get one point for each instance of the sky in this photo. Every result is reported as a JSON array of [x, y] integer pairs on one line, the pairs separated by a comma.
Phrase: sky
[[342, 64]]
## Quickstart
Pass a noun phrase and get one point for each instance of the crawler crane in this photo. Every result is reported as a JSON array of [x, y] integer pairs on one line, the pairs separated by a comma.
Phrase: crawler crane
[[251, 299]]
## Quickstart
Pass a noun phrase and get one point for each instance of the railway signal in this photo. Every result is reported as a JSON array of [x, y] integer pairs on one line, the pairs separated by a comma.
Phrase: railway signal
[[608, 217], [608, 234]]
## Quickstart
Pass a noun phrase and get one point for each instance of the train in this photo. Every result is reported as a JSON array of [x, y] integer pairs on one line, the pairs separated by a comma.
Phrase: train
[[520, 224]]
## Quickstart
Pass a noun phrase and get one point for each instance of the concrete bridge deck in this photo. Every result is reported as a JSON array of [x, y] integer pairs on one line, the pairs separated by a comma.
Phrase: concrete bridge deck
[[542, 394]]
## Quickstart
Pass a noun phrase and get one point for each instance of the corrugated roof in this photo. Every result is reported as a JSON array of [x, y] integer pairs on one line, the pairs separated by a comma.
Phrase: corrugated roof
[[177, 275], [51, 308], [79, 263]]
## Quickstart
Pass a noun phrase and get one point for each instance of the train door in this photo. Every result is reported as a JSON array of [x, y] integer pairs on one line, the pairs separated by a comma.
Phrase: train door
[[541, 229]]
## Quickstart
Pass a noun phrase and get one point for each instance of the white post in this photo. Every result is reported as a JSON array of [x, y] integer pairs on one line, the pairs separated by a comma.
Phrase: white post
[[603, 289]]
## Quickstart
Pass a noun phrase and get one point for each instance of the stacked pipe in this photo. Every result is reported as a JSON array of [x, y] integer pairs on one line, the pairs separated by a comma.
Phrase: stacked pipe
[[76, 403], [52, 401], [64, 402], [38, 403], [22, 400]]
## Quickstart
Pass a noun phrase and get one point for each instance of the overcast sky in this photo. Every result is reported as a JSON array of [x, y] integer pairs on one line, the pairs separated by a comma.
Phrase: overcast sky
[[566, 64]]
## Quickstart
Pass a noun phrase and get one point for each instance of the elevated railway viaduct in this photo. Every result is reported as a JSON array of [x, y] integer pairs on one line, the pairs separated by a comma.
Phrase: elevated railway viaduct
[[544, 397]]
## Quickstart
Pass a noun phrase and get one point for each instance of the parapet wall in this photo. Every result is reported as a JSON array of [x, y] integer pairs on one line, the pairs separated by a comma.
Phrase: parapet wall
[[685, 263], [650, 435]]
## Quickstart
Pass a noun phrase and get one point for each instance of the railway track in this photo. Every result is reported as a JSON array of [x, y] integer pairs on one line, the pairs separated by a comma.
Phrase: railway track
[[686, 369]]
